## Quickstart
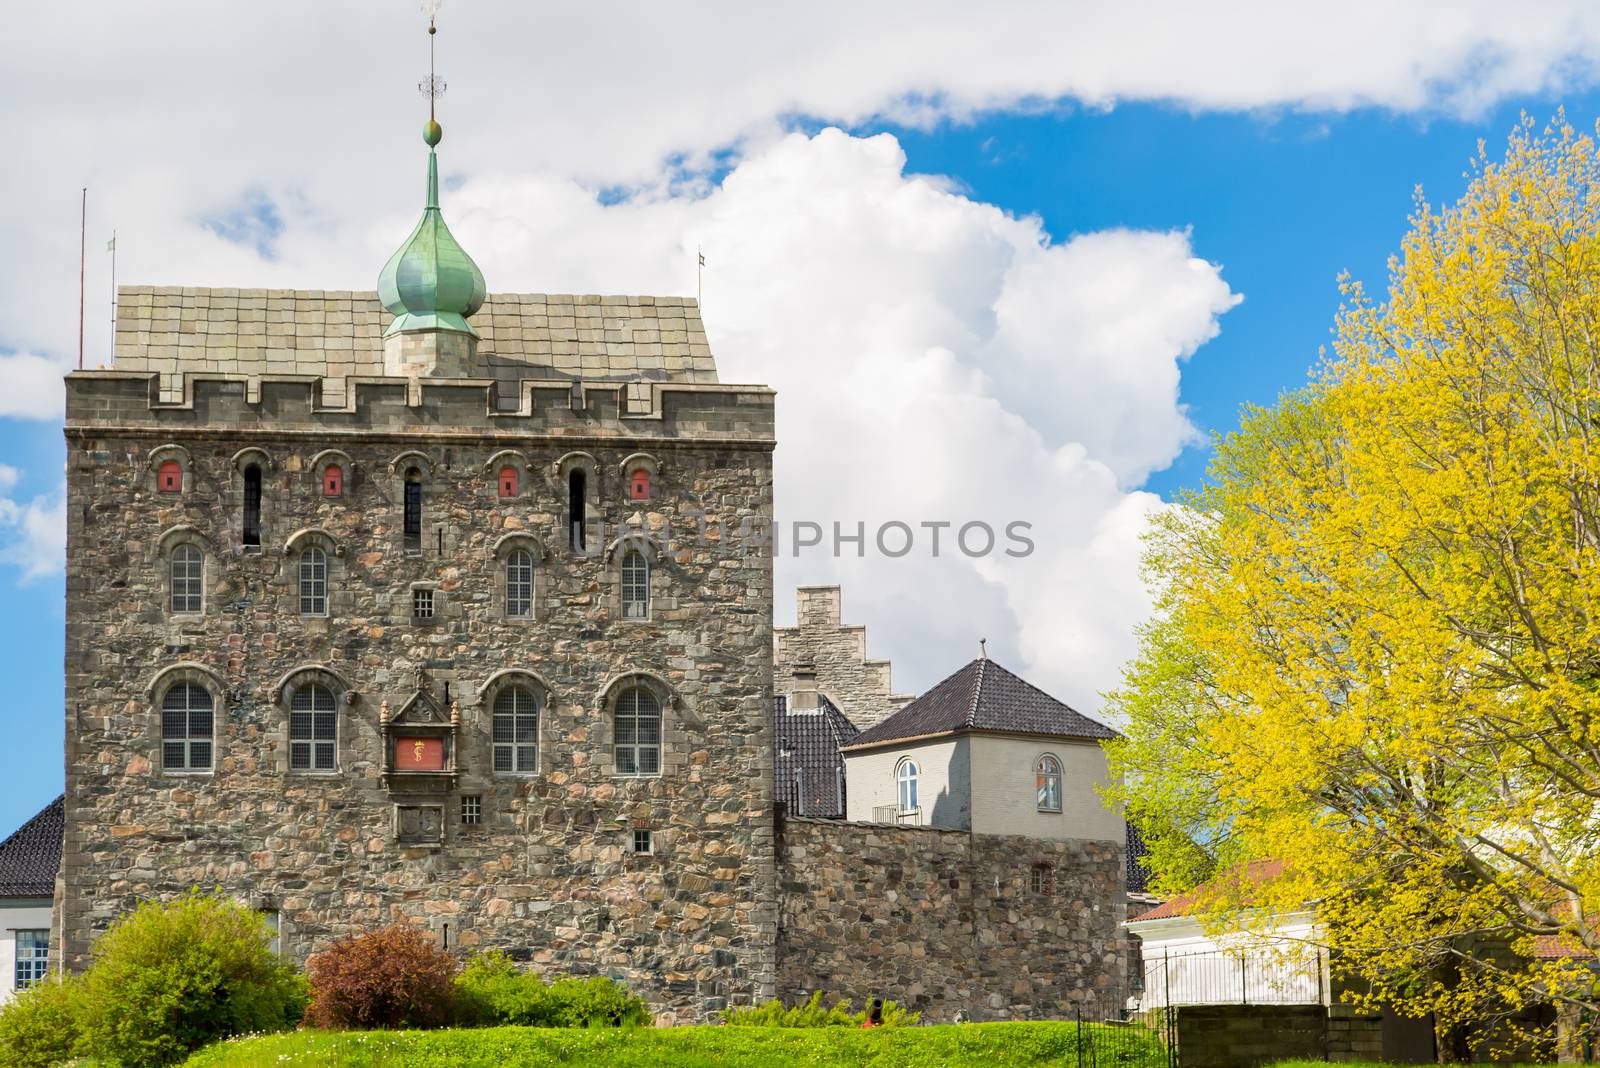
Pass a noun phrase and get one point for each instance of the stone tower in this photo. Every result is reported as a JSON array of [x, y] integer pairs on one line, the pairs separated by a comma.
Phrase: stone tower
[[375, 614]]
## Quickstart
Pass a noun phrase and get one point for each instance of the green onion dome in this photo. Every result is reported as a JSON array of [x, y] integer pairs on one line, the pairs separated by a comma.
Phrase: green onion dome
[[430, 283]]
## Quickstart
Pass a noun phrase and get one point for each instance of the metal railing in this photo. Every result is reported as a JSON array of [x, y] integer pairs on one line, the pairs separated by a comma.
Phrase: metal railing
[[1292, 975]]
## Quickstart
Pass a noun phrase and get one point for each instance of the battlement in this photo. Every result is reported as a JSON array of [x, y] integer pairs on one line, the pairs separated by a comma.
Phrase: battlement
[[237, 405], [337, 335]]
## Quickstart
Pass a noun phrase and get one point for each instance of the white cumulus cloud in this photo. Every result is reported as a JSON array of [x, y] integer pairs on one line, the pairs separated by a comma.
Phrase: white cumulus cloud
[[33, 533]]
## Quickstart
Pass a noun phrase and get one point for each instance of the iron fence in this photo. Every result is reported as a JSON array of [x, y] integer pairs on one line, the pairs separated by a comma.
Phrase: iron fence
[[1116, 1033], [1288, 975]]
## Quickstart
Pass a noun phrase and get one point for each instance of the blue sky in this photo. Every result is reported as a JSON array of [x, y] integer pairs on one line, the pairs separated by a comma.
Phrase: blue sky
[[1280, 197]]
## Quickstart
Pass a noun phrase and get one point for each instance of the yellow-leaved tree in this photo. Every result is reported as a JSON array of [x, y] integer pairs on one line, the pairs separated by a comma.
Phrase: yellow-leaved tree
[[1376, 655]]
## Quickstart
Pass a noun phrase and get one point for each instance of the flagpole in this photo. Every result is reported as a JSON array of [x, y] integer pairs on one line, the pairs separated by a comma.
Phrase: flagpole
[[83, 224], [113, 283]]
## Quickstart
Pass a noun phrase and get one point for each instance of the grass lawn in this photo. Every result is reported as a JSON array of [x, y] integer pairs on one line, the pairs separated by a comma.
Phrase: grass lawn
[[944, 1046]]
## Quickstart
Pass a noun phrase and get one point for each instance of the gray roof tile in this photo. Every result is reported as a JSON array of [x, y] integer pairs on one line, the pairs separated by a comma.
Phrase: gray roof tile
[[30, 857], [807, 767]]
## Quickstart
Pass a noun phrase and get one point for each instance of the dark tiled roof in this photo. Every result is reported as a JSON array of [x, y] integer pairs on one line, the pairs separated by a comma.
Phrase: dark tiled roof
[[1138, 872], [30, 857], [983, 696], [808, 764]]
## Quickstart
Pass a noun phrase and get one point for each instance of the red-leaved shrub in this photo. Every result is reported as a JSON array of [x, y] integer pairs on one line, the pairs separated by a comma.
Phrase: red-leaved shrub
[[396, 977]]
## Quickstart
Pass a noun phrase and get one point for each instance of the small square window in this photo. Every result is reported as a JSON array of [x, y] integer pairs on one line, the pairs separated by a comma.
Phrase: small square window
[[1043, 880], [643, 842], [472, 810], [421, 604]]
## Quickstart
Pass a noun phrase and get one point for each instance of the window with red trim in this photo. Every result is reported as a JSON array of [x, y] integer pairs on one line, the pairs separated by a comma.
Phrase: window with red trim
[[508, 481], [333, 481], [639, 485], [169, 477]]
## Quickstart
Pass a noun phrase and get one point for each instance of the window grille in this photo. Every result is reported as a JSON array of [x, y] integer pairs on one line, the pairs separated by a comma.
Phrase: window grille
[[519, 584], [250, 528], [421, 604], [313, 582], [413, 513], [643, 841], [516, 731], [638, 732], [313, 729], [33, 957], [188, 566], [187, 723], [1047, 777], [472, 810], [635, 585]]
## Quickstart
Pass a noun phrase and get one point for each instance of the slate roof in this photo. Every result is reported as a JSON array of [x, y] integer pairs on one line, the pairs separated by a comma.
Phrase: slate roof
[[983, 696], [808, 762], [30, 857], [1138, 871], [334, 334]]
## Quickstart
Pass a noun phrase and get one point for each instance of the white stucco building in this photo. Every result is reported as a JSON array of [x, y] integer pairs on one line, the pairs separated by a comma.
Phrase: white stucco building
[[28, 863], [987, 752]]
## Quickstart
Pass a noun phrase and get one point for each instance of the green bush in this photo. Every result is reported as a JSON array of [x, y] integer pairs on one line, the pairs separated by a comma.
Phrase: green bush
[[492, 990], [167, 979], [814, 1014], [396, 977], [41, 1025]]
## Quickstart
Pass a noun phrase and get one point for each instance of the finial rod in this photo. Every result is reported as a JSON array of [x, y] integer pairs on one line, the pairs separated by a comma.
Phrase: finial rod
[[983, 648]]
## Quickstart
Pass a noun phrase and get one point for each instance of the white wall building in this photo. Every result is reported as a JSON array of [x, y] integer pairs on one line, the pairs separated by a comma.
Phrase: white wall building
[[985, 751], [28, 863]]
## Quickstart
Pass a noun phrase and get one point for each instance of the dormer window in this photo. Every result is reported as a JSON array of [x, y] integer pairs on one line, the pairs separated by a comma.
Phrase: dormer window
[[169, 477], [508, 481], [333, 481], [639, 485]]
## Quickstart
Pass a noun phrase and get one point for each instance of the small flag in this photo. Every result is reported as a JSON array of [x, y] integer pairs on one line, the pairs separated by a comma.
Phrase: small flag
[[702, 256], [111, 246]]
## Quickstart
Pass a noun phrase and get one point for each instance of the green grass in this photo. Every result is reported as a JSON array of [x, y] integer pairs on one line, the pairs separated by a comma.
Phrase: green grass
[[947, 1046]]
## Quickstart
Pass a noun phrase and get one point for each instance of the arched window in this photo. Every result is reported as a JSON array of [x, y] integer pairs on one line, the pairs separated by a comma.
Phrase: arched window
[[1047, 776], [906, 774], [413, 516], [333, 481], [186, 728], [187, 566], [516, 731], [313, 728], [313, 582], [577, 489], [635, 585], [639, 485], [250, 527], [519, 584], [508, 481], [638, 732], [169, 477]]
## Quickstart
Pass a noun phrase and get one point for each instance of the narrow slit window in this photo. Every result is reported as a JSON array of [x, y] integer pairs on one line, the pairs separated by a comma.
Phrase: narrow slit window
[[187, 722], [333, 481], [413, 515], [251, 526], [313, 582], [516, 731], [635, 585], [638, 732], [519, 584], [577, 491], [188, 580], [169, 477], [313, 729]]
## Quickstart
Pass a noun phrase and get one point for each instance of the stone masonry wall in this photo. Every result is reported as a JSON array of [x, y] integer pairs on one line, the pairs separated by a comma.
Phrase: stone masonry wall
[[946, 921], [858, 686], [549, 873], [1240, 1036]]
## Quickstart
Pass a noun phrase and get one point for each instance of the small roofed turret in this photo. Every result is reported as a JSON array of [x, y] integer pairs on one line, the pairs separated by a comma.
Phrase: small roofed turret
[[431, 286]]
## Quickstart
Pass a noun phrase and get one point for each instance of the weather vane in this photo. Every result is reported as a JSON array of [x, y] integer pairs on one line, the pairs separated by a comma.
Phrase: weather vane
[[432, 86]]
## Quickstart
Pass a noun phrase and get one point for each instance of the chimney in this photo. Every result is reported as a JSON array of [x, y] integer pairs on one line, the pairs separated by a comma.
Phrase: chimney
[[803, 694]]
